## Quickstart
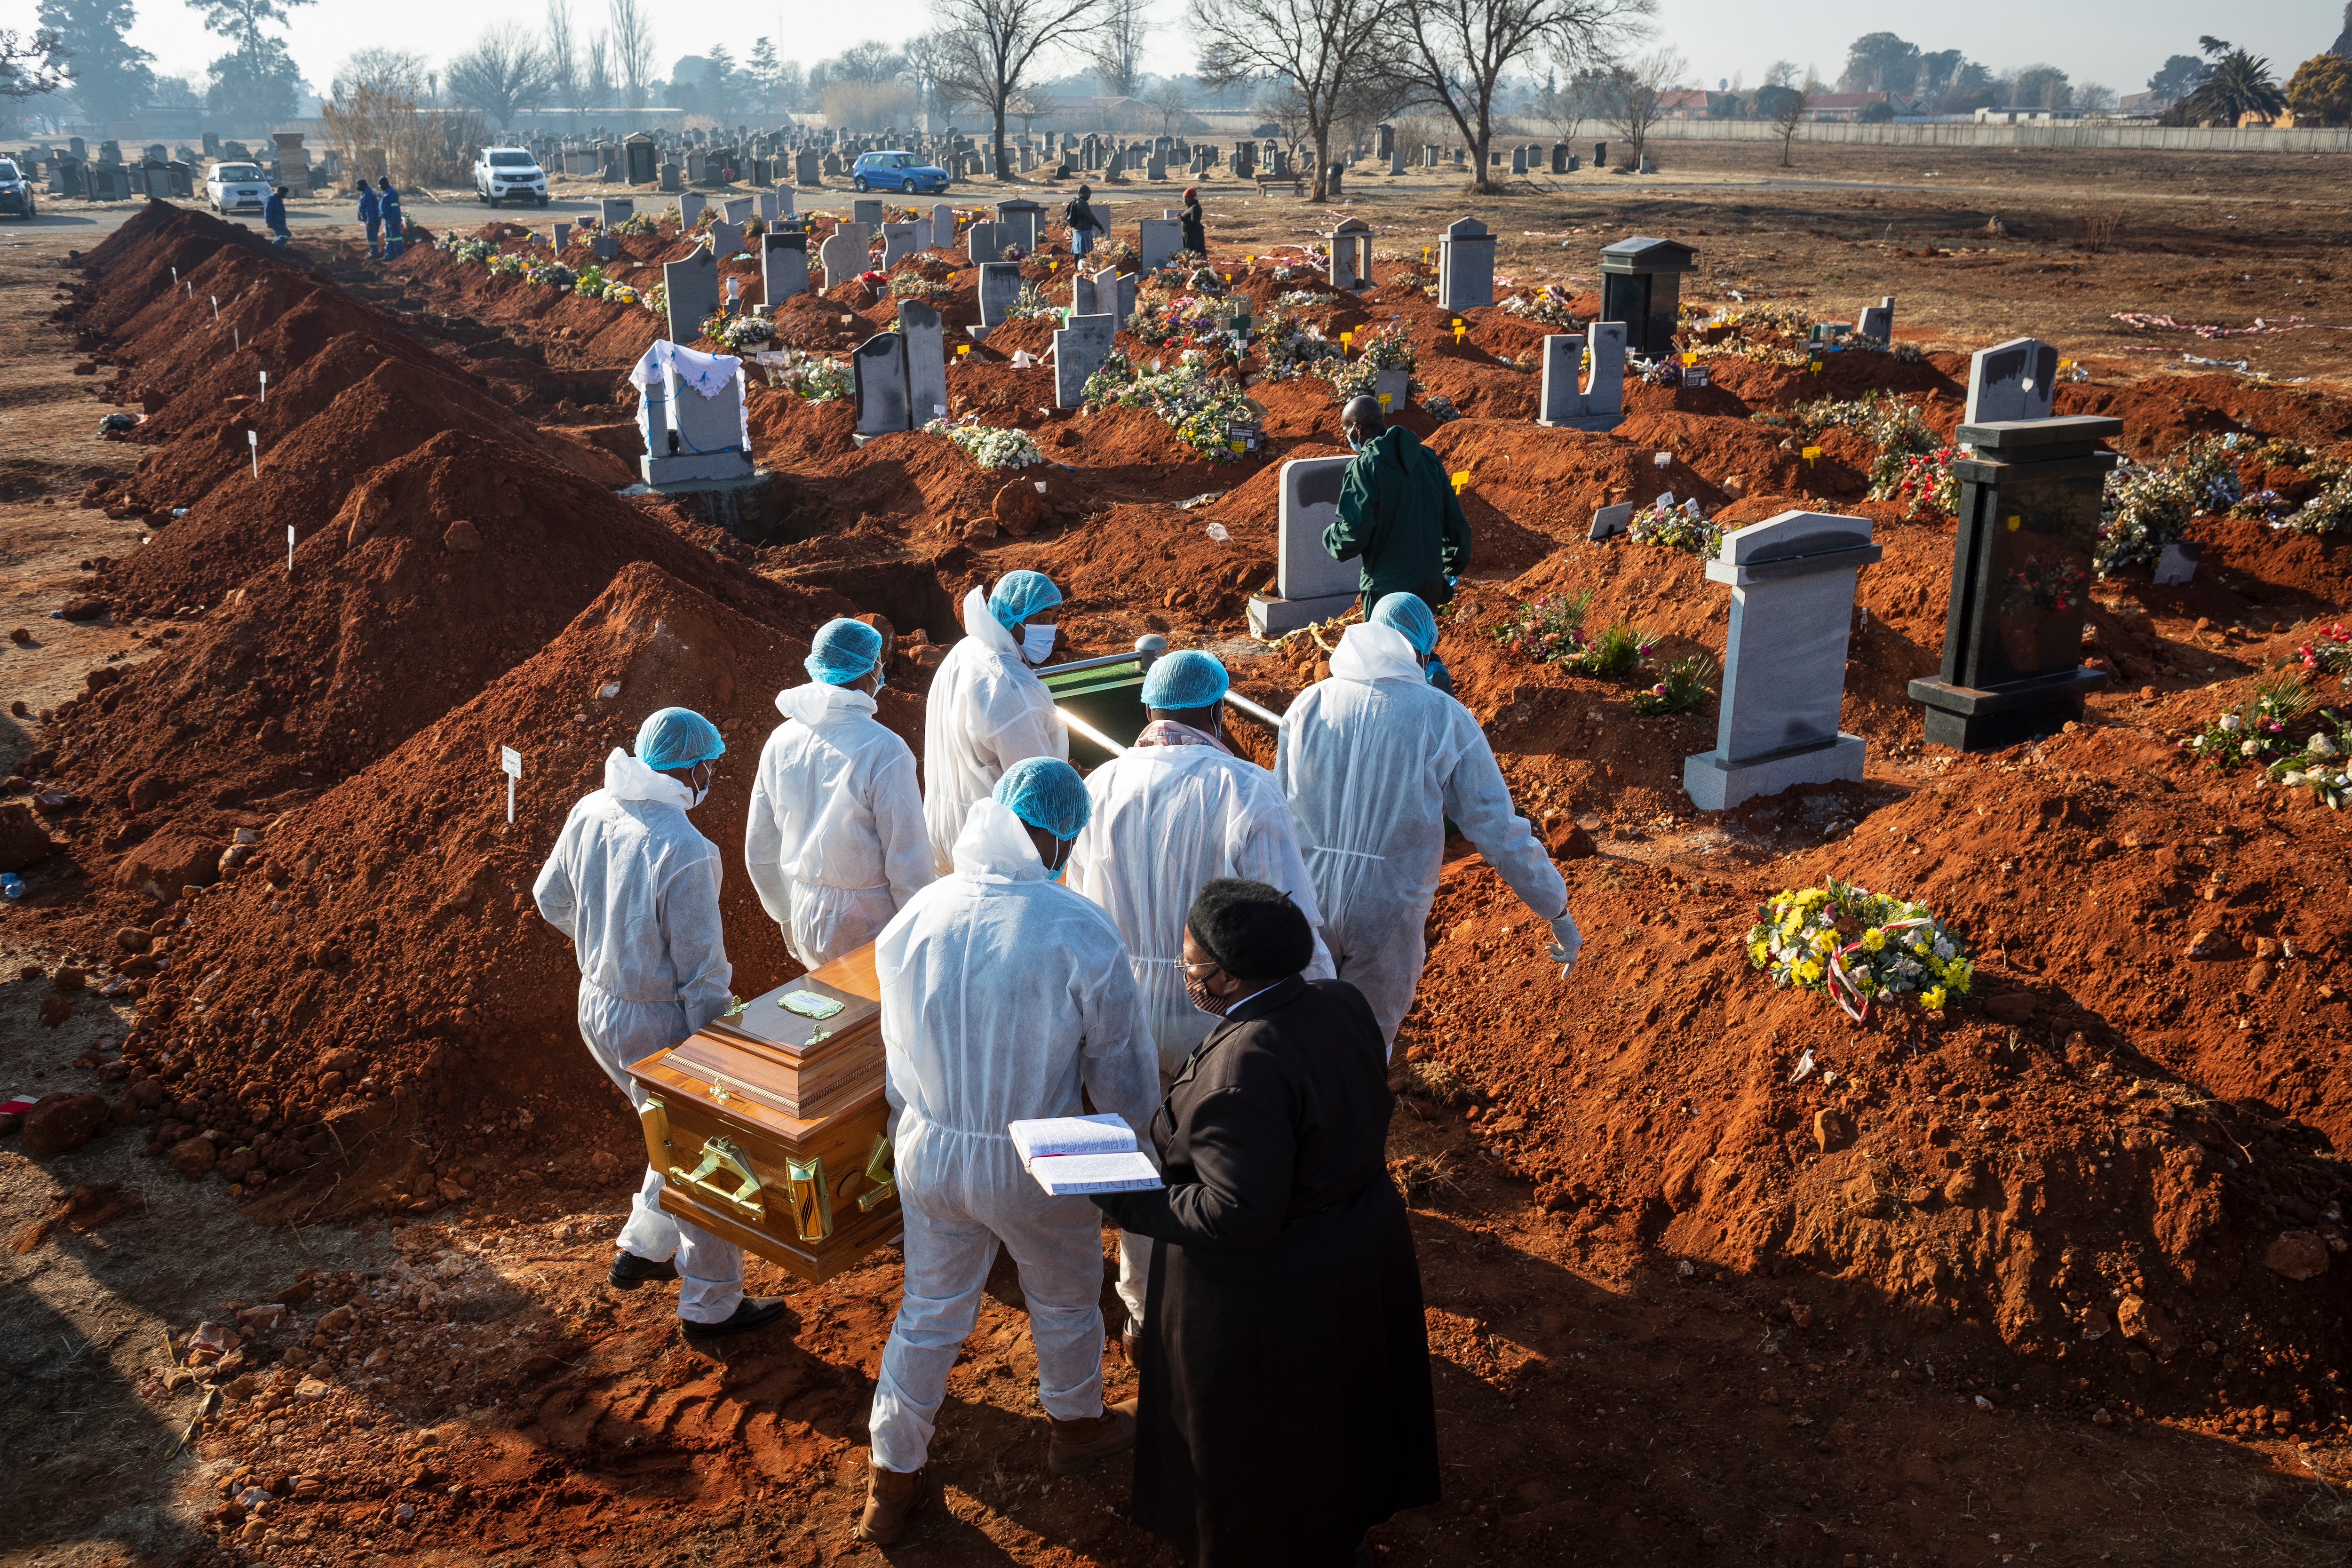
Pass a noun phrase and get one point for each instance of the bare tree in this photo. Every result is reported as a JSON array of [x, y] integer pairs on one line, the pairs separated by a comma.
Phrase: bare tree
[[563, 78], [632, 35], [1318, 50], [993, 44], [1637, 91], [502, 75], [596, 74], [1171, 102], [1453, 54], [1118, 51], [1787, 106], [32, 65], [1584, 98]]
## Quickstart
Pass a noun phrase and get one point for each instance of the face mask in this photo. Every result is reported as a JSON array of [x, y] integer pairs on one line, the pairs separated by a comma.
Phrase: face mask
[[1036, 644], [1354, 445], [1198, 990]]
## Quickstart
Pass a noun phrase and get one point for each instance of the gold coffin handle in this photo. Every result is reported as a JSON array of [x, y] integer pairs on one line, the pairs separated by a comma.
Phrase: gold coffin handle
[[882, 1181], [810, 1199], [719, 1154]]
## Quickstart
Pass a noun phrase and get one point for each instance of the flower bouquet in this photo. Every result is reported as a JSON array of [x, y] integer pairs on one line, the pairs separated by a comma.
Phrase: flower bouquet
[[1857, 947], [1686, 686], [990, 446], [2254, 733]]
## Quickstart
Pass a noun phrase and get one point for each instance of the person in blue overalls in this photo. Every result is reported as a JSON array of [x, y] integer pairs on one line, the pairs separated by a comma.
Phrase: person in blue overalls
[[396, 230], [371, 214], [273, 215]]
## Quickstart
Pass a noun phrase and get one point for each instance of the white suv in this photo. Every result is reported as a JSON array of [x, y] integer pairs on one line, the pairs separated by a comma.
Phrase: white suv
[[503, 171]]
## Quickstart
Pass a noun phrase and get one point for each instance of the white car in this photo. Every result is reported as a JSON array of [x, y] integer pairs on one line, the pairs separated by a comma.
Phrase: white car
[[504, 172], [236, 187]]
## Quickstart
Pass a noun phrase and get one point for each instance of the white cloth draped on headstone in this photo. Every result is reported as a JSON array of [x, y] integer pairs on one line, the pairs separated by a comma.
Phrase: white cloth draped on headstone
[[709, 374]]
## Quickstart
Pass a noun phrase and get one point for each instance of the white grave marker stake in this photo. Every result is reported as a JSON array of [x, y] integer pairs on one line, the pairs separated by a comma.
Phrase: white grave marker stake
[[236, 337], [254, 441], [510, 760], [216, 299], [289, 550], [265, 386], [175, 278]]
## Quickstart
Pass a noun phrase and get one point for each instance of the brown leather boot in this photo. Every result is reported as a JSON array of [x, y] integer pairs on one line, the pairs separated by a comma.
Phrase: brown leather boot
[[891, 1497], [1077, 1443]]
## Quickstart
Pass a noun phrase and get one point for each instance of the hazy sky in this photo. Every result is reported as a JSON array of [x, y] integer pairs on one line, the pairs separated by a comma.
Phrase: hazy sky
[[2114, 43]]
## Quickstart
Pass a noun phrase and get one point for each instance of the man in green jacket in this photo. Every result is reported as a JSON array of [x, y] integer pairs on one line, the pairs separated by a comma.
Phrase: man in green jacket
[[1398, 513]]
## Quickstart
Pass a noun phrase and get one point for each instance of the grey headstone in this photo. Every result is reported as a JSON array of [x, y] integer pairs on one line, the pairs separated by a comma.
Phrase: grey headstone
[[808, 167], [1609, 519], [878, 367], [1465, 266], [690, 438], [726, 239], [692, 293], [783, 266], [2014, 380], [608, 247], [563, 236], [1309, 585], [1792, 581], [841, 258], [768, 207], [943, 226], [1350, 265], [1518, 160], [979, 243], [737, 210], [1392, 387], [1648, 167], [2177, 565], [616, 209], [1083, 294], [1160, 240], [1000, 287], [1562, 396], [867, 210], [1878, 320], [897, 240], [927, 362], [690, 207], [1574, 400], [785, 204], [1396, 161], [1079, 350], [1019, 222], [1604, 394]]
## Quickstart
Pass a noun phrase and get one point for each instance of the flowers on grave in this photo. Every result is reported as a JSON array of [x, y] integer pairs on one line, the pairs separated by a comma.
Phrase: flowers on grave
[[741, 333], [1676, 528], [1201, 407], [1614, 650], [1190, 322], [1859, 948], [1437, 405], [1303, 299], [473, 250], [2329, 652], [2255, 733], [1288, 347], [1548, 303], [1688, 682], [2141, 511], [590, 283], [2321, 765], [1552, 629], [2329, 511], [554, 274], [811, 376], [502, 264], [656, 299], [1031, 301], [1923, 482], [640, 222], [1118, 255], [915, 286], [1379, 349], [990, 445]]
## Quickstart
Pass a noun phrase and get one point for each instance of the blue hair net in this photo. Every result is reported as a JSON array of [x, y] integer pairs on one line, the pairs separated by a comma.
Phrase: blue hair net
[[1021, 595], [678, 738], [1046, 792], [1190, 679], [844, 650], [1406, 614]]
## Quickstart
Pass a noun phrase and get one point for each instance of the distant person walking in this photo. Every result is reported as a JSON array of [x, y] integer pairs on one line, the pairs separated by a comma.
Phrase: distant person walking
[[370, 212], [1196, 229], [1083, 223], [273, 215], [395, 231]]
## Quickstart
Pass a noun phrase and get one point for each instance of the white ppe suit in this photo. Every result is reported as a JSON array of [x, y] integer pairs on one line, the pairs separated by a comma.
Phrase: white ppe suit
[[986, 711], [1373, 760], [1003, 996], [637, 889], [835, 842], [1165, 820]]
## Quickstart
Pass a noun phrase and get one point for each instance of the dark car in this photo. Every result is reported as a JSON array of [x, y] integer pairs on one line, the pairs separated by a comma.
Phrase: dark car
[[900, 172], [16, 191]]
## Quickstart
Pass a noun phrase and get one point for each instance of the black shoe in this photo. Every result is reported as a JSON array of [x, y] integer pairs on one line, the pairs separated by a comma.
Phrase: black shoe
[[629, 1270], [751, 1312]]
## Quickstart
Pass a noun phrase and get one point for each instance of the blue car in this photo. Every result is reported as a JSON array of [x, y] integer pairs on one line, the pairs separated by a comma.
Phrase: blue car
[[897, 171]]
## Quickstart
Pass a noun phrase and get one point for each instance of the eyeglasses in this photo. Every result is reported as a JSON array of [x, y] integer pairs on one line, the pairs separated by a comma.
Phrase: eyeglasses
[[1197, 969]]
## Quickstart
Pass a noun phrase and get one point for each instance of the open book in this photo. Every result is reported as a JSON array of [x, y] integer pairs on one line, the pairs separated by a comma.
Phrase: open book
[[1074, 1155]]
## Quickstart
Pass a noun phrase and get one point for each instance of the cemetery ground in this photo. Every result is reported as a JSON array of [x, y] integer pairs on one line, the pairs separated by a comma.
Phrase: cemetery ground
[[2002, 1289]]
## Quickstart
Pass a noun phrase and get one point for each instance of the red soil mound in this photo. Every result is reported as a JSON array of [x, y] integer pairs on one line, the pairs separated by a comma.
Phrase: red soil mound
[[442, 571]]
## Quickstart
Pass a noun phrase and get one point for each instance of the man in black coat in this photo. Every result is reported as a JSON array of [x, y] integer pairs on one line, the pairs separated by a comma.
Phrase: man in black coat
[[1285, 1404]]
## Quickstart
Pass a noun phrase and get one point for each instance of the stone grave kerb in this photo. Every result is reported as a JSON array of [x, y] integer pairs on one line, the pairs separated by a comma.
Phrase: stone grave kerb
[[1792, 583]]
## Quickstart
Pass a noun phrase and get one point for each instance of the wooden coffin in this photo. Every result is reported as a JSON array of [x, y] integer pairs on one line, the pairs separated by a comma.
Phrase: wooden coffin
[[769, 1127]]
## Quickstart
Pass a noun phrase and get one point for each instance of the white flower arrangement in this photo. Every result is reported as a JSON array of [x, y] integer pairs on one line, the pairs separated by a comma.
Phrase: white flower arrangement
[[990, 446]]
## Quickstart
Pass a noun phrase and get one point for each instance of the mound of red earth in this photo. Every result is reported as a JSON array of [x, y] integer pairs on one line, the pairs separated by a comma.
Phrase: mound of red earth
[[377, 967], [441, 570]]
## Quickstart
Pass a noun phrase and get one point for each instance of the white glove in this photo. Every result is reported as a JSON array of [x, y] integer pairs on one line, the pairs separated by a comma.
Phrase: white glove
[[1567, 941]]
